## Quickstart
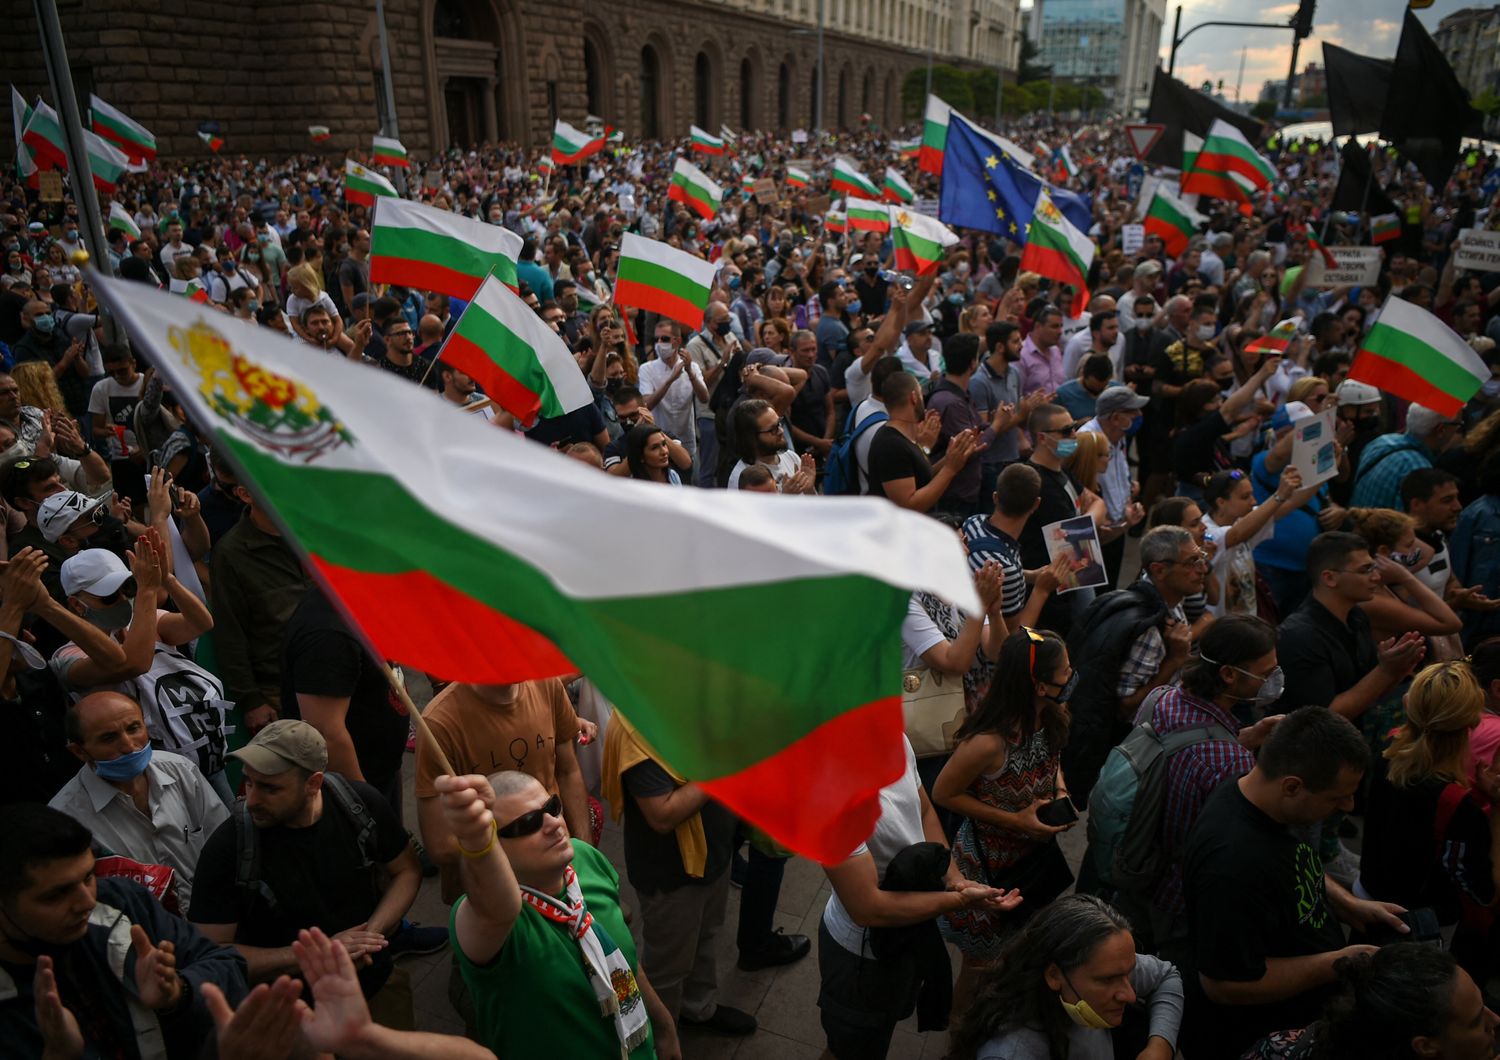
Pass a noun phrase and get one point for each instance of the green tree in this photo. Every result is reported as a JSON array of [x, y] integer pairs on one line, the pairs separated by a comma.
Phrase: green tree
[[1028, 68], [949, 84], [1265, 110]]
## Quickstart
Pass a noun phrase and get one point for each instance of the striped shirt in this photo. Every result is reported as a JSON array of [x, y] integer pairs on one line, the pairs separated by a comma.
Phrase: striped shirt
[[987, 543]]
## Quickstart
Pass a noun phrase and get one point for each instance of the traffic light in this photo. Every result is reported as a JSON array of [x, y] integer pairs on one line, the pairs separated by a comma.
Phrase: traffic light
[[1302, 21]]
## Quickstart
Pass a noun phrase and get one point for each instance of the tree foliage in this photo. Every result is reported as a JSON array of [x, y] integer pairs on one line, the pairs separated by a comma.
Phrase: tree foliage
[[973, 93]]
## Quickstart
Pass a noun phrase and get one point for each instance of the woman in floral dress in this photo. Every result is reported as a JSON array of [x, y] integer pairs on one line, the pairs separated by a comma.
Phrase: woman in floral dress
[[1005, 766]]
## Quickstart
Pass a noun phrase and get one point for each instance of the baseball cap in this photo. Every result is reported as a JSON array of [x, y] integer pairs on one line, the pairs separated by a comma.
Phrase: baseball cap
[[363, 299], [1119, 399], [60, 511], [94, 570], [916, 326], [1291, 413], [1149, 267], [1353, 392], [283, 745]]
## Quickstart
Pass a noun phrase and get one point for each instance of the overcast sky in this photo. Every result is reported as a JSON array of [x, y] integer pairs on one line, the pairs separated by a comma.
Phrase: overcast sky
[[1370, 27]]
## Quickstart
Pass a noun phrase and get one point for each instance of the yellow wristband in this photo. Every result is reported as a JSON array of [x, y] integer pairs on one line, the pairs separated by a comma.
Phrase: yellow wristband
[[479, 853]]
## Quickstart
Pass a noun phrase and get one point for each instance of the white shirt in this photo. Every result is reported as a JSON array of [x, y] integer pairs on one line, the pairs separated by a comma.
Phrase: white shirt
[[1234, 568], [900, 826], [169, 255], [788, 463], [674, 412], [922, 371], [1114, 484], [863, 443], [857, 382], [183, 812], [1081, 345]]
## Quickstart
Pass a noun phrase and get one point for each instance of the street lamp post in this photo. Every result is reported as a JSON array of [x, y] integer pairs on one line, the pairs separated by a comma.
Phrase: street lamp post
[[818, 111], [391, 128]]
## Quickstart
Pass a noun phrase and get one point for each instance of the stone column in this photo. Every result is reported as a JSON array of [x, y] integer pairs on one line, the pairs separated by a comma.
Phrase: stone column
[[487, 108]]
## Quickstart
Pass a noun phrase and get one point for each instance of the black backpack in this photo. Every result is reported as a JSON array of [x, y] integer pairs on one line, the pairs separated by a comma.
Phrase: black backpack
[[248, 874]]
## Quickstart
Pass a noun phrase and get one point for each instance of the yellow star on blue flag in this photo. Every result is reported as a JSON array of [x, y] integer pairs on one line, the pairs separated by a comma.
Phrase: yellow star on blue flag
[[985, 188]]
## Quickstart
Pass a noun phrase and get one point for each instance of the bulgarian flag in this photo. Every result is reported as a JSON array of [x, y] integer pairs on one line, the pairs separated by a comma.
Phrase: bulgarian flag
[[919, 241], [437, 250], [848, 179], [107, 163], [570, 146], [796, 178], [835, 220], [895, 188], [521, 363], [747, 185], [1055, 248], [319, 133], [389, 152], [129, 135], [20, 117], [214, 142], [364, 186], [727, 134], [1414, 355], [1065, 167], [693, 187], [1329, 261], [43, 134], [706, 142], [1276, 340], [934, 136], [1171, 219], [662, 279], [545, 165], [866, 216], [190, 289], [479, 532], [119, 218], [1385, 228], [907, 150], [1192, 144], [1225, 166]]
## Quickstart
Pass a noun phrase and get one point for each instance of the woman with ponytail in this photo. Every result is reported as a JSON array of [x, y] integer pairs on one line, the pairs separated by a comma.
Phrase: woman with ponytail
[[1428, 844]]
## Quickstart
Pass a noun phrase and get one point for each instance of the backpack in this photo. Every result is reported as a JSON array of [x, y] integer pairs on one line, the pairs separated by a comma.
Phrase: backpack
[[841, 473], [248, 875], [1128, 799]]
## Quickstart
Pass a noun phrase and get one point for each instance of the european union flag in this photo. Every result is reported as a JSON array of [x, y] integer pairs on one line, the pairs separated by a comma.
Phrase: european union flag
[[983, 188]]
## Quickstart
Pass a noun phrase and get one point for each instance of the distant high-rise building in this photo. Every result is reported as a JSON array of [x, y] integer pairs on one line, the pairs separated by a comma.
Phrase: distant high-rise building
[[1470, 38], [1111, 44]]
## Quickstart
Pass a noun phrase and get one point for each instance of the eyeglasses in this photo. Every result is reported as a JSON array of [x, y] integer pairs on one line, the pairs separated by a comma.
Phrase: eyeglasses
[[1197, 559], [531, 822], [1364, 572], [1067, 431], [402, 334], [775, 428]]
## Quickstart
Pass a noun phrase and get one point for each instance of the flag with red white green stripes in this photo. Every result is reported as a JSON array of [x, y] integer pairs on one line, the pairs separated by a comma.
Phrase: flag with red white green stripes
[[1412, 354], [363, 186], [867, 216], [1329, 261], [796, 178], [934, 136], [191, 289], [1057, 249], [848, 179], [706, 142], [1172, 219], [661, 279], [695, 189], [120, 218], [429, 249], [570, 146], [1276, 340], [895, 188], [1385, 228], [124, 132], [213, 140], [320, 134], [388, 151], [20, 116], [919, 240]]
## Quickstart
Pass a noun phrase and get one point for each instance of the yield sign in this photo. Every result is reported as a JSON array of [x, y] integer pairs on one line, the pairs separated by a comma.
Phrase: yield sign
[[1143, 136]]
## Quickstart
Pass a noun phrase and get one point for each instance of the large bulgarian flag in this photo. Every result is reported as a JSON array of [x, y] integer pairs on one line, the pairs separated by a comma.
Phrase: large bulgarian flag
[[569, 145], [1057, 249], [848, 179], [20, 117], [895, 188], [919, 240], [438, 250], [706, 142], [1414, 355], [695, 188], [521, 363], [866, 216], [389, 152], [1276, 340], [497, 545], [934, 136], [1172, 219], [129, 135], [364, 186], [661, 279]]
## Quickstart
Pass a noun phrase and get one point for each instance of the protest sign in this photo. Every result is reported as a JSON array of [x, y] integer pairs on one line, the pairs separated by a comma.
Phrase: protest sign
[[1477, 249], [1357, 267], [1078, 539], [1314, 453], [1132, 238]]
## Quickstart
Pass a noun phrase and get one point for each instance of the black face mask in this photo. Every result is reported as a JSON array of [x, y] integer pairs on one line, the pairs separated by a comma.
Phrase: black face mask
[[1367, 427], [612, 385]]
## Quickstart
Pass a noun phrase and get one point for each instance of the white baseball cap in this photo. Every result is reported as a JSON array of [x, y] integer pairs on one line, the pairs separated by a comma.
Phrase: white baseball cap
[[57, 514], [1353, 392], [94, 570]]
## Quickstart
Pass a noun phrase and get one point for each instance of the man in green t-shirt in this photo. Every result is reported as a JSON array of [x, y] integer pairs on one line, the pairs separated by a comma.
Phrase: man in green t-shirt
[[538, 935]]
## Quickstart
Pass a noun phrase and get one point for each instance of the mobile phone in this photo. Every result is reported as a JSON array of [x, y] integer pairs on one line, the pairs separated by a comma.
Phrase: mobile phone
[[1057, 813]]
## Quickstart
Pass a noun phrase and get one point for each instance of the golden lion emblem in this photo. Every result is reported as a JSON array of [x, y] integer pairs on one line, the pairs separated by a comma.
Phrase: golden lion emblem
[[273, 411]]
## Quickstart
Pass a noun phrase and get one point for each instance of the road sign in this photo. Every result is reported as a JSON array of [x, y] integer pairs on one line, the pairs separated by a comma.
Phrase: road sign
[[1143, 136]]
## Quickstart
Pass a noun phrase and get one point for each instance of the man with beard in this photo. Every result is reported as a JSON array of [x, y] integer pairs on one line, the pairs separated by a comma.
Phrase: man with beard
[[761, 438], [899, 468], [319, 326], [461, 389], [995, 388], [300, 851]]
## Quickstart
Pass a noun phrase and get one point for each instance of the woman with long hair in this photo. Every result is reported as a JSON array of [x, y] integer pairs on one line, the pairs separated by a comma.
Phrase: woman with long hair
[[604, 330], [1427, 842], [1061, 987], [650, 454], [1207, 422], [1005, 766], [1236, 525]]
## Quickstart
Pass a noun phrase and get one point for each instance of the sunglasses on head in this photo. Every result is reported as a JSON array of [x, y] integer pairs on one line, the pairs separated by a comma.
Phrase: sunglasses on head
[[531, 822]]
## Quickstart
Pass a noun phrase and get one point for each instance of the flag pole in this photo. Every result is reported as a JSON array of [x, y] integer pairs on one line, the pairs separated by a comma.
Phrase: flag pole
[[388, 79], [439, 355], [418, 722]]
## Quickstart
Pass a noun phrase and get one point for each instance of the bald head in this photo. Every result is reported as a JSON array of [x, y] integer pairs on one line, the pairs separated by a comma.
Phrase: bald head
[[101, 718], [429, 328], [34, 309]]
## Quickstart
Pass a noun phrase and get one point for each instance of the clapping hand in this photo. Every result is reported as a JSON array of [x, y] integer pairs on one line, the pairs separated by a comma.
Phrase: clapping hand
[[157, 983], [21, 583], [930, 429], [61, 1038]]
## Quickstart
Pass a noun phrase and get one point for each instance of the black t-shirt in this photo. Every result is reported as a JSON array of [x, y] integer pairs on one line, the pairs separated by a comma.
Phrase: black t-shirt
[[314, 872], [1321, 656], [581, 425], [320, 657], [1254, 890], [895, 456], [810, 407], [1400, 861], [1199, 449], [654, 861], [1059, 501]]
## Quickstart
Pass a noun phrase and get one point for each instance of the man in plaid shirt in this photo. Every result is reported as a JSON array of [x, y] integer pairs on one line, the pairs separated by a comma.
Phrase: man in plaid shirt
[[1235, 667], [1391, 457]]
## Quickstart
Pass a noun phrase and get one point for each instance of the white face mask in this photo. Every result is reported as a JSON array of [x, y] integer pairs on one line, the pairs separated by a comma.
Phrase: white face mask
[[1206, 332], [664, 350]]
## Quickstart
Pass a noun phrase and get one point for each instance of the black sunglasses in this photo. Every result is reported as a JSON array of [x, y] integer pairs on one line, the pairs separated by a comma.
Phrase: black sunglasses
[[530, 823]]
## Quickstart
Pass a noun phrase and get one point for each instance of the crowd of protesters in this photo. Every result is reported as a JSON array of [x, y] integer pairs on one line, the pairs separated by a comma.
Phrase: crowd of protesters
[[222, 861]]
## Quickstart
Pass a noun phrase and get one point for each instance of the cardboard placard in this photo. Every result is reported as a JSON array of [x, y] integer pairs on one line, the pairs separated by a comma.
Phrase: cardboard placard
[[1314, 453], [799, 136], [765, 191], [49, 185], [1477, 249], [1078, 539], [819, 204], [925, 207], [1132, 238], [1357, 267]]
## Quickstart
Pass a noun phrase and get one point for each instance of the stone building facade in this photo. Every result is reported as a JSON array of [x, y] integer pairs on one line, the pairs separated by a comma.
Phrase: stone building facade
[[469, 70]]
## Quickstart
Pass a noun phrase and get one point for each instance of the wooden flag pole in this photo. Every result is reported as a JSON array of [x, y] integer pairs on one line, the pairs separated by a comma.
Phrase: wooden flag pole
[[418, 722]]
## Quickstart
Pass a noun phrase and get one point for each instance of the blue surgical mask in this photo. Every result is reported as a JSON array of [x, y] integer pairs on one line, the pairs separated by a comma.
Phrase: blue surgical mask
[[44, 323], [1066, 447], [126, 767], [956, 299], [854, 306], [1135, 426], [72, 235]]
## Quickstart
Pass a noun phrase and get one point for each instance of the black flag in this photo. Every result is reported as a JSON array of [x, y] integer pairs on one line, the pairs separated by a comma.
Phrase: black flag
[[1181, 109], [1355, 178], [1357, 90], [1427, 112]]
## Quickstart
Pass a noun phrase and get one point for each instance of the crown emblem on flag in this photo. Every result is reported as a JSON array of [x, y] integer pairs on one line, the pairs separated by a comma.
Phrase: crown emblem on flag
[[1049, 212]]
